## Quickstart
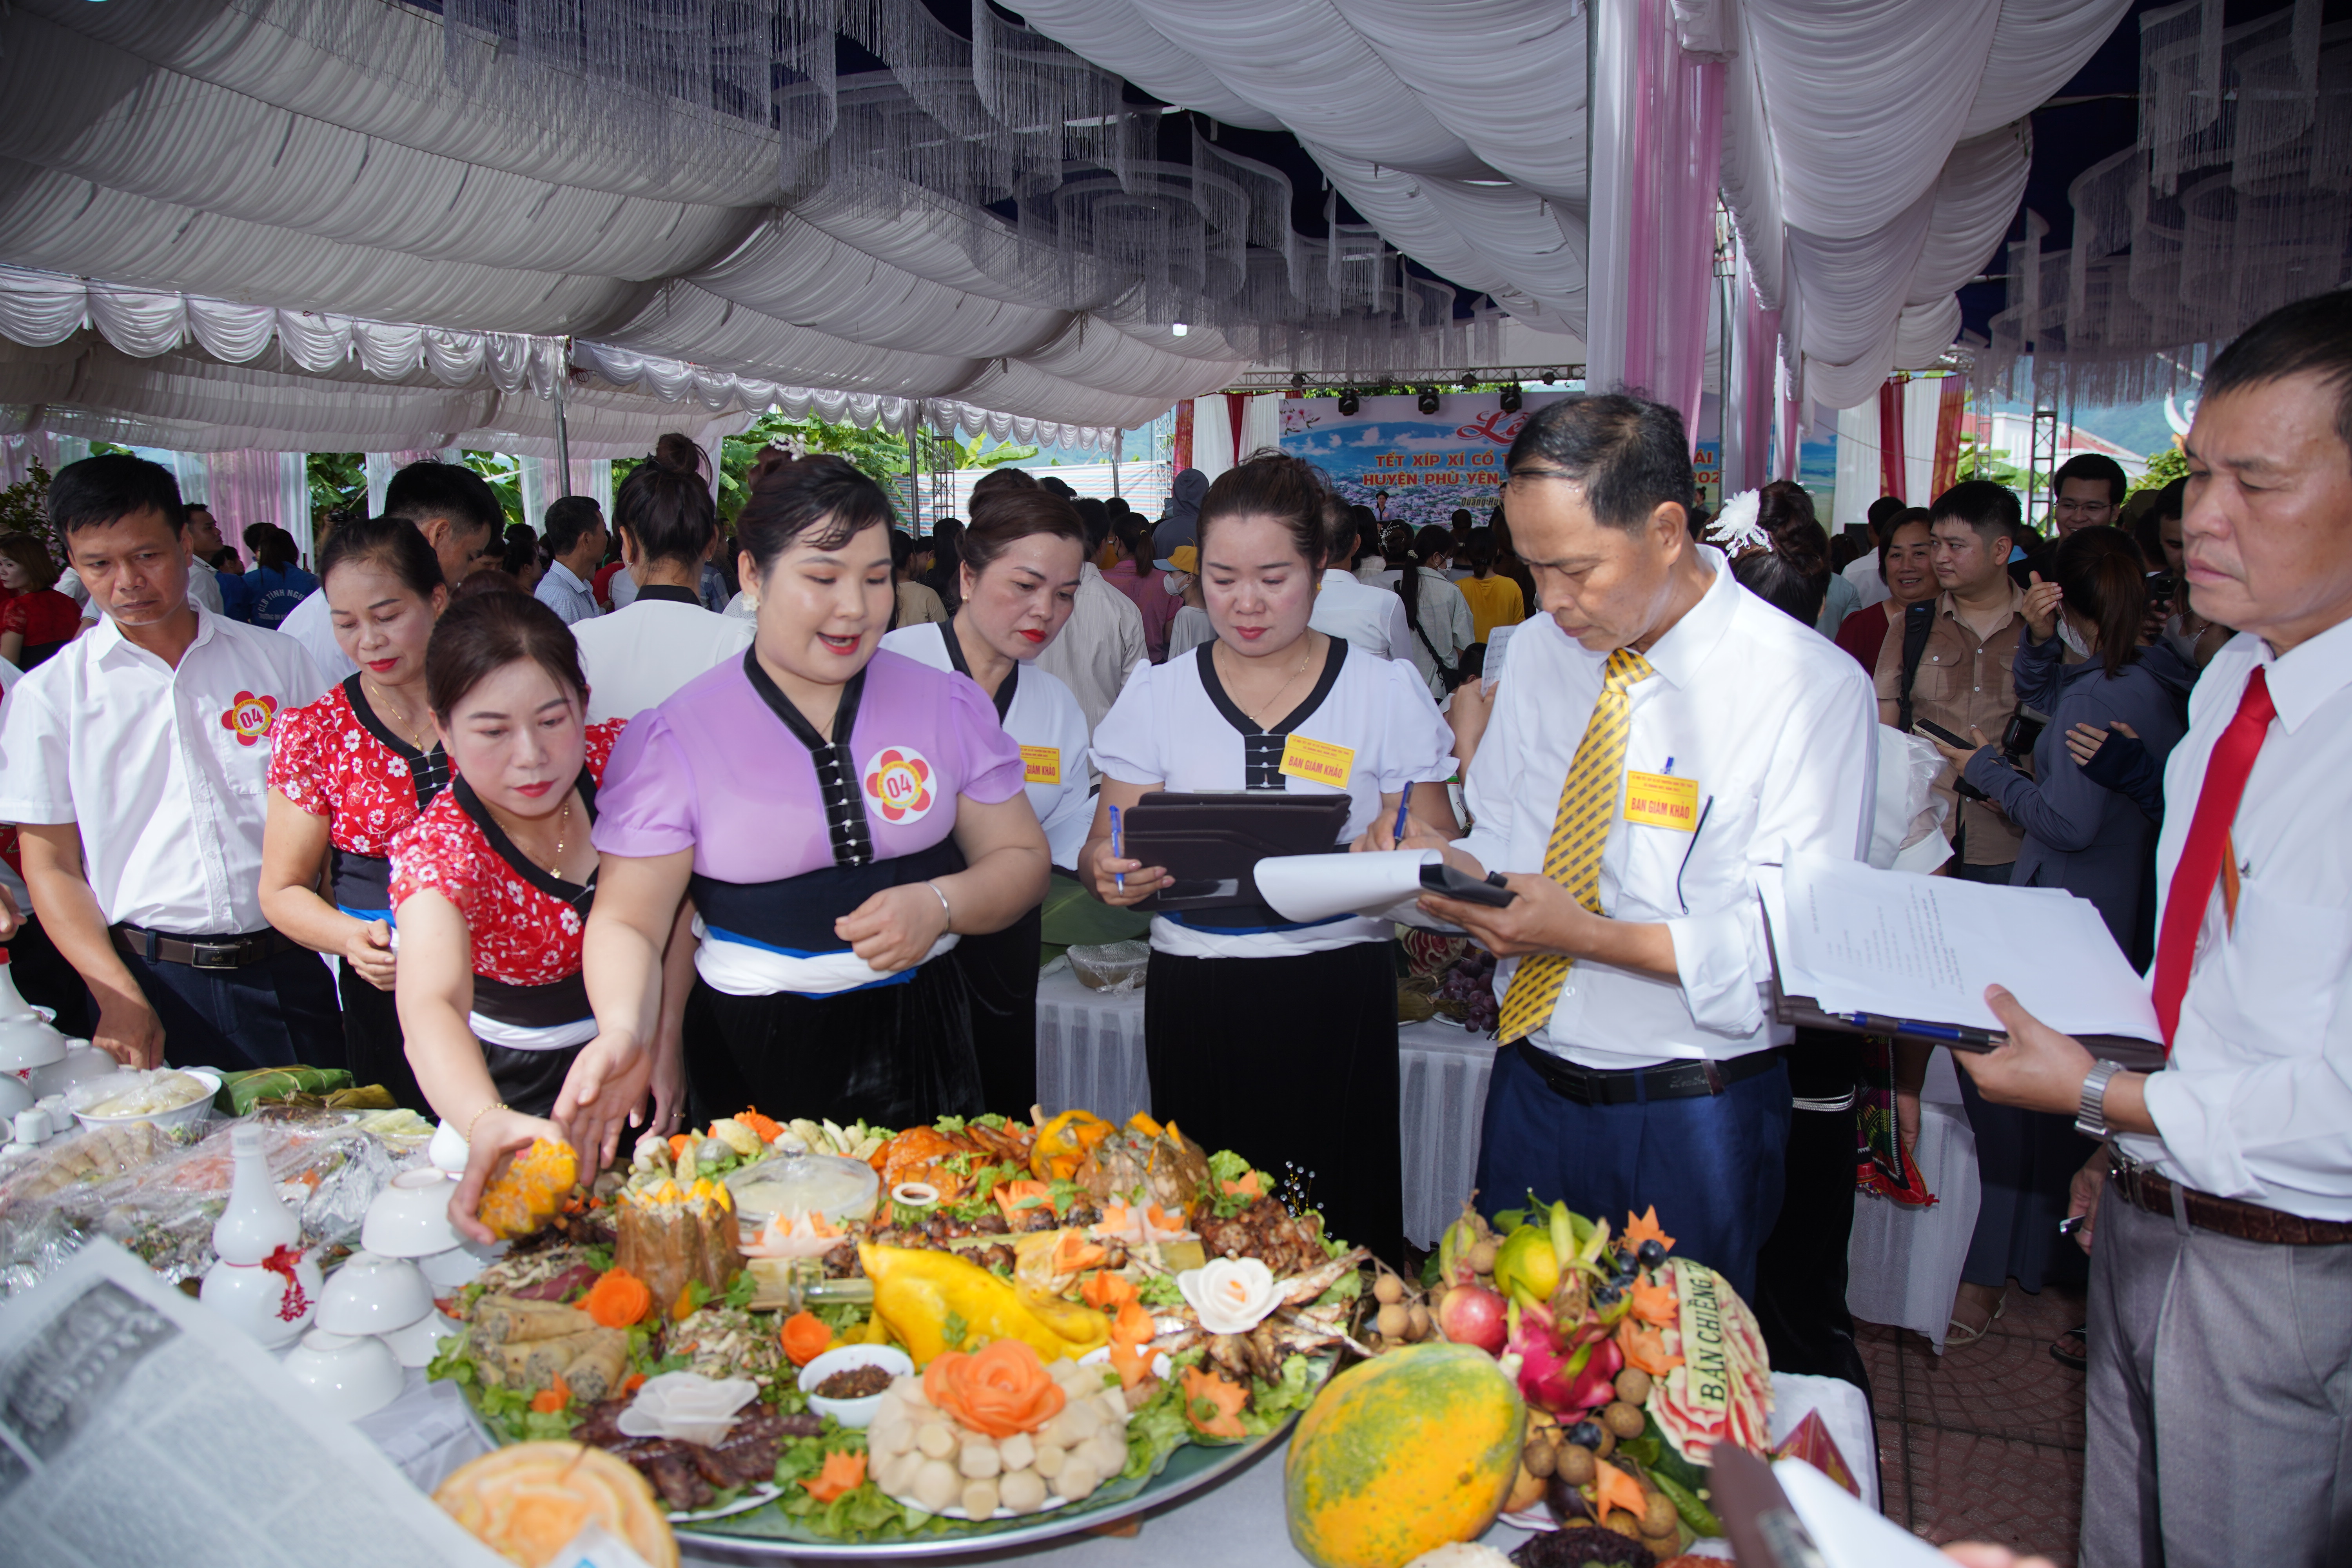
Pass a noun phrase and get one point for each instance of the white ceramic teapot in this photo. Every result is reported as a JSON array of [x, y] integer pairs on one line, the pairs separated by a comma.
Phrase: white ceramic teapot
[[264, 1282]]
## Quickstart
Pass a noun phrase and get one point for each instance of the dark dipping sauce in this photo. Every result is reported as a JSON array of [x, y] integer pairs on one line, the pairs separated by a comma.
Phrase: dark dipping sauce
[[856, 1383]]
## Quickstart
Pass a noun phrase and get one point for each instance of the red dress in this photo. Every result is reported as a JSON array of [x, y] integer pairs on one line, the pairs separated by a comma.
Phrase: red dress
[[337, 758], [526, 924], [46, 620], [1863, 633]]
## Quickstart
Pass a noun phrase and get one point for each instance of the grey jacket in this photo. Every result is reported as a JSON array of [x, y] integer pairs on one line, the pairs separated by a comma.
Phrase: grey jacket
[[2095, 844]]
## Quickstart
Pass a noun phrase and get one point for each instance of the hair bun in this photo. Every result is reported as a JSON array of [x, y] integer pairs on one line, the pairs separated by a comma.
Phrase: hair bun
[[676, 452]]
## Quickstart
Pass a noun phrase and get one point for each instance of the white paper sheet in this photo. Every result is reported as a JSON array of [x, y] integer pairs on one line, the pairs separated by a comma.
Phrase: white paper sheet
[[1850, 1533], [1382, 883], [139, 1427], [1919, 947]]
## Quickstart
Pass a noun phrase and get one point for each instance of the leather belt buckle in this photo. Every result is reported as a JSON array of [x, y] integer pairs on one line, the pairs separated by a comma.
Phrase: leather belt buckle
[[217, 955]]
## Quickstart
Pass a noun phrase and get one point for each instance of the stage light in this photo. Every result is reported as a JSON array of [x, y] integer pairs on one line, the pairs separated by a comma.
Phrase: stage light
[[1298, 379], [1428, 400], [1347, 401], [1179, 329], [1511, 398], [1551, 376]]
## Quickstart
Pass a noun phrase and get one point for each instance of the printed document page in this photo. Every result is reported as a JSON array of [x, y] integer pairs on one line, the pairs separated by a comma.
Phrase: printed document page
[[1907, 946]]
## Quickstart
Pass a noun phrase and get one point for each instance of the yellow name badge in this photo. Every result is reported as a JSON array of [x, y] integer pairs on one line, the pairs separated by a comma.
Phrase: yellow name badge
[[1041, 764], [1661, 800], [1318, 762]]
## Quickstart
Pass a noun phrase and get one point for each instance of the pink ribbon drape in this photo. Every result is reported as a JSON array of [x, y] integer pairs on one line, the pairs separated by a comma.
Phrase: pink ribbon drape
[[1677, 153], [244, 490]]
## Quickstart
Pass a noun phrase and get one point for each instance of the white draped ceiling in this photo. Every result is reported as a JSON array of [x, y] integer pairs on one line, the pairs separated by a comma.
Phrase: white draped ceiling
[[1875, 154]]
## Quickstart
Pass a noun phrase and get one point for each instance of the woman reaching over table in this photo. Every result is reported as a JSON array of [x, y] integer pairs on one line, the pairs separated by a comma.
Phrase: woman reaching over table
[[492, 884], [841, 814], [1260, 1033], [1019, 575], [349, 772]]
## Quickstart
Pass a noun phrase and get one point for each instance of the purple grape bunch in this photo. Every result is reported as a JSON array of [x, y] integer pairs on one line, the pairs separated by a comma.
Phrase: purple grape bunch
[[1469, 985]]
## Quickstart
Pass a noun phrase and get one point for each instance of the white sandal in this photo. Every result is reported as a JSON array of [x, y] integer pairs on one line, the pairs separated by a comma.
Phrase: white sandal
[[1958, 1334]]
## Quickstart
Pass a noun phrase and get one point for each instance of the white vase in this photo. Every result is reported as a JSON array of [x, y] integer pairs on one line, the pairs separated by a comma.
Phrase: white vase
[[257, 1222], [263, 1302], [27, 1037]]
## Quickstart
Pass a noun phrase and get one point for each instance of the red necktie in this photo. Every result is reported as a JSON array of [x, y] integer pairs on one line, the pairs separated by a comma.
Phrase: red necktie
[[2209, 842]]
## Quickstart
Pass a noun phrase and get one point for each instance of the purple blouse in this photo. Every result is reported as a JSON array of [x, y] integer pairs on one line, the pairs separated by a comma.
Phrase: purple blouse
[[715, 769]]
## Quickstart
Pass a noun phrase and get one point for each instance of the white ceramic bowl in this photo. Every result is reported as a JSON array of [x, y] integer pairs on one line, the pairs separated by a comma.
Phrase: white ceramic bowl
[[187, 1115], [448, 1149], [414, 1345], [373, 1295], [352, 1377], [30, 1039], [410, 1218], [459, 1266], [81, 1062], [854, 1414]]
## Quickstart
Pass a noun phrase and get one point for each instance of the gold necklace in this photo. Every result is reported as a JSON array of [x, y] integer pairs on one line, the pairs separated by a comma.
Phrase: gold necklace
[[383, 704], [1308, 640], [563, 817]]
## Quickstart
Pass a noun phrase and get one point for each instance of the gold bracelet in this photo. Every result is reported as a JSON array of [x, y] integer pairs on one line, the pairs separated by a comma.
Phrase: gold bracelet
[[494, 1105]]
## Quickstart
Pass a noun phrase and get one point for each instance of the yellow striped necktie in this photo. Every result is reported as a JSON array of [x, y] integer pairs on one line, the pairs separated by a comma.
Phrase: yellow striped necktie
[[1587, 805]]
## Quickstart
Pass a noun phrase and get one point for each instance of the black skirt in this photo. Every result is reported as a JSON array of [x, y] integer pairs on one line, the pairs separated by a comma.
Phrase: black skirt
[[895, 1055], [1291, 1063], [1000, 976], [529, 1081], [373, 1044]]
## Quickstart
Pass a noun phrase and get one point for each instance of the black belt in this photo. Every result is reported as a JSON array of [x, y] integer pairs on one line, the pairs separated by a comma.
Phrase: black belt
[[203, 952], [1668, 1081]]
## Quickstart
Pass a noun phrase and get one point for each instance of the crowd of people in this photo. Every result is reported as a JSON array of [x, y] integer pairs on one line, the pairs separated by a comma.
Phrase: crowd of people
[[620, 824]]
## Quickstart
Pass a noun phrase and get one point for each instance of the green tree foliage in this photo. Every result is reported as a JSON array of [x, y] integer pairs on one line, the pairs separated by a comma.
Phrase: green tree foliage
[[878, 454], [2163, 467], [503, 474], [338, 483], [25, 505]]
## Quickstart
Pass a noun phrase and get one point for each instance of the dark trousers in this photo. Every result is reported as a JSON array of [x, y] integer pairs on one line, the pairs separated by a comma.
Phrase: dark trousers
[[373, 1048], [44, 979], [274, 1014], [1000, 975], [1713, 1164], [2026, 1162], [1801, 1274], [1998, 876]]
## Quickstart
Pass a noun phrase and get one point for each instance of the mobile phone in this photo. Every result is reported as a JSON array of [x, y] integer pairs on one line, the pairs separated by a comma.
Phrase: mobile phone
[[1447, 882], [1928, 727]]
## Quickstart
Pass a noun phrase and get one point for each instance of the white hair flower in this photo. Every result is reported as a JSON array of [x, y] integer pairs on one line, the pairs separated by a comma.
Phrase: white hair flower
[[1734, 528]]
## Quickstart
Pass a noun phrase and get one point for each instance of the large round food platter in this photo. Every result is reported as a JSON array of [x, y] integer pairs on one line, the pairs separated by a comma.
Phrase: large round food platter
[[1099, 1319]]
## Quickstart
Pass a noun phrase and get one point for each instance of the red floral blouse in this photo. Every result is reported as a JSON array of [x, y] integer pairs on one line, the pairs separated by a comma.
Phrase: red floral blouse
[[333, 761], [524, 934]]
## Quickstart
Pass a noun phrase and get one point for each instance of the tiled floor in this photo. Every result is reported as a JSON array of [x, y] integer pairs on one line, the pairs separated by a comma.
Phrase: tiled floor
[[1985, 1442]]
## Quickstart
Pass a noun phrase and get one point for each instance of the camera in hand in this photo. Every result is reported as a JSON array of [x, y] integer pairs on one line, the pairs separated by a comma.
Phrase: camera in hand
[[2162, 586], [2023, 729]]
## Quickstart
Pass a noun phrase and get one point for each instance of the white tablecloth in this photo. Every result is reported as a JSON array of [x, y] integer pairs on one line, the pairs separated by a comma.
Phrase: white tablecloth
[[1904, 1263], [1090, 1058]]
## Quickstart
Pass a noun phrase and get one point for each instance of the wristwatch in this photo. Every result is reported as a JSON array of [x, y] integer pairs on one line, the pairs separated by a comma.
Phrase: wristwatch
[[2091, 1113]]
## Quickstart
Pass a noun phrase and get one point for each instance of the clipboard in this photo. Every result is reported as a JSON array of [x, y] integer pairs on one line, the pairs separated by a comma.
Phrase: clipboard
[[1211, 841], [1805, 1013]]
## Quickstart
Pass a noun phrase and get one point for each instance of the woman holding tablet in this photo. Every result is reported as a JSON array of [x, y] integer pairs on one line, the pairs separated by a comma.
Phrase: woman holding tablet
[[1017, 578], [1261, 1033], [840, 814]]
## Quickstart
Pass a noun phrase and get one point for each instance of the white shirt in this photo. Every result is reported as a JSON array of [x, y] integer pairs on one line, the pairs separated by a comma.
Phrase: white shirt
[[1868, 588], [9, 676], [204, 586], [621, 587], [1097, 646], [313, 623], [1369, 619], [1778, 728], [70, 583], [1188, 630], [1047, 722], [635, 658], [1170, 729], [163, 769], [2256, 1102], [1445, 617], [1369, 570], [561, 590]]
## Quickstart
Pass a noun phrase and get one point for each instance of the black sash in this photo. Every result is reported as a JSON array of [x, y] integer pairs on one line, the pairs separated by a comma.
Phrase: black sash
[[955, 657], [364, 882], [836, 769], [564, 1001], [795, 914]]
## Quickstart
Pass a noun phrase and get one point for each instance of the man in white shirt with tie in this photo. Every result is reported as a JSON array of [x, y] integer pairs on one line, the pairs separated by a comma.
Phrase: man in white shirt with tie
[[1661, 733], [2219, 1213], [1372, 619]]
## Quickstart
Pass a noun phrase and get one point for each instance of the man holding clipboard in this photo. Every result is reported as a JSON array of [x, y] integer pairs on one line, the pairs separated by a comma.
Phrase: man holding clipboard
[[1662, 732], [2220, 1339]]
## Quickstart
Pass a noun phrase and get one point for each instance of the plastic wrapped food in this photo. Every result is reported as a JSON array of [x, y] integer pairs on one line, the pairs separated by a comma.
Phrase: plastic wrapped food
[[1111, 966], [131, 1093]]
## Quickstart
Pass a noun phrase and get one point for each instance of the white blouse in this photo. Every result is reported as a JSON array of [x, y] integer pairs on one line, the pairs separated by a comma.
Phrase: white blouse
[[1045, 721], [1367, 721]]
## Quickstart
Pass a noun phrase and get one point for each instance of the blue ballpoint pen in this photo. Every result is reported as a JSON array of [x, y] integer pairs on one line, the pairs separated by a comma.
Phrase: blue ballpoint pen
[[1118, 848], [1404, 807], [1956, 1034]]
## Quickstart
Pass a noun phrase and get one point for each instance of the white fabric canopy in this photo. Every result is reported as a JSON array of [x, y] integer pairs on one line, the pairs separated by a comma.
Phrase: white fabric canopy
[[1875, 152]]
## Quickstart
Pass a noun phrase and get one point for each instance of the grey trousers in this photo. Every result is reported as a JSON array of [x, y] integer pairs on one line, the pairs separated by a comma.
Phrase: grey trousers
[[2220, 1419]]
